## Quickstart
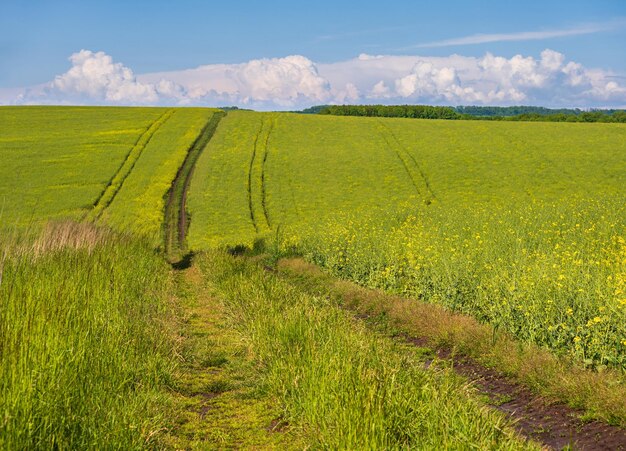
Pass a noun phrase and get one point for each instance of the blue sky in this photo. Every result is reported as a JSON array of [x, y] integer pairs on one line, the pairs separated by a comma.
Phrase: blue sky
[[37, 37]]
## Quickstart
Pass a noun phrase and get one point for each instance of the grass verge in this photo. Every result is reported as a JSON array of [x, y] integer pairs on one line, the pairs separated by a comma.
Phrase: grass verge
[[602, 395], [340, 385]]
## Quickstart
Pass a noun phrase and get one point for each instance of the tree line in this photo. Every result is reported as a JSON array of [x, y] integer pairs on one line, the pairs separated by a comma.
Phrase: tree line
[[513, 113]]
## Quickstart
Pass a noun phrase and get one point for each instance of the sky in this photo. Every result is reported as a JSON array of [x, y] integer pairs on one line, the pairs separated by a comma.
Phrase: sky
[[289, 55]]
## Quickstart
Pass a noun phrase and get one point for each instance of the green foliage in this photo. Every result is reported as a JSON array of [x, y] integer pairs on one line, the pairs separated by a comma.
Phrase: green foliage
[[411, 111], [84, 353], [513, 110], [317, 109], [514, 113]]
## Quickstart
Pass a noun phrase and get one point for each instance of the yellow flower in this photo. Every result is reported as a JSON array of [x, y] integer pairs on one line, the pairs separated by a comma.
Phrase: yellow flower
[[576, 339]]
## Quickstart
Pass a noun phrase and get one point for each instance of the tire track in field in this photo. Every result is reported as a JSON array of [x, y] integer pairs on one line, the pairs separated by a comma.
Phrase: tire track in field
[[115, 184], [250, 169], [402, 160], [256, 182], [408, 160], [263, 186], [176, 217]]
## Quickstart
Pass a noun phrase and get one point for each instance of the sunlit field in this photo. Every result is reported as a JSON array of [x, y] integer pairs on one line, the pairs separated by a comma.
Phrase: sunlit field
[[190, 278]]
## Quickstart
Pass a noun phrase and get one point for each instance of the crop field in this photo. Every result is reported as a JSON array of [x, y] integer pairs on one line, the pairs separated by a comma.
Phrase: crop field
[[109, 164], [518, 224], [140, 202], [190, 278], [273, 170], [57, 161]]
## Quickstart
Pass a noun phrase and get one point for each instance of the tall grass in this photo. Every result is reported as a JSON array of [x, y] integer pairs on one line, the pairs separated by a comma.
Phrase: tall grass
[[83, 348], [341, 386]]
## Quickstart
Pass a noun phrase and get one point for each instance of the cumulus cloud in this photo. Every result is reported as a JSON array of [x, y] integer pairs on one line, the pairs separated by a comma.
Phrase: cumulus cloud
[[95, 79], [296, 81], [284, 81], [548, 80]]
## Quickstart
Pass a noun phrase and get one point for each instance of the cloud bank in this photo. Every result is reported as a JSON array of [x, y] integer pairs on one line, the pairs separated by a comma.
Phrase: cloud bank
[[296, 82]]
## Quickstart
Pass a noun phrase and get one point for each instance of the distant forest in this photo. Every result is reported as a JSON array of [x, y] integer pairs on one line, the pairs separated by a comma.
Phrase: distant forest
[[490, 113]]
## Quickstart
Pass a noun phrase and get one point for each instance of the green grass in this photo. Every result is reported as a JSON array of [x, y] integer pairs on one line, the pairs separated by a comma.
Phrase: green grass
[[56, 161], [600, 394], [85, 350], [342, 386], [217, 402]]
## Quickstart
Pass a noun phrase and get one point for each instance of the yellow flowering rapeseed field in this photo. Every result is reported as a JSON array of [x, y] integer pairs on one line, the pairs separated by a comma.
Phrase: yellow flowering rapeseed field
[[552, 274]]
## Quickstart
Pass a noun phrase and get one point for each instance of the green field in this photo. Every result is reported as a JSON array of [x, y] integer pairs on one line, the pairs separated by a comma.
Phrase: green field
[[109, 164], [509, 238], [299, 170], [57, 161]]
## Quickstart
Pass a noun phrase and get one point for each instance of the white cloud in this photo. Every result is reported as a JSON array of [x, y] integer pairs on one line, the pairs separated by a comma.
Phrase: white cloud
[[296, 81], [548, 80], [264, 83], [284, 81], [525, 35], [379, 91], [95, 79]]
